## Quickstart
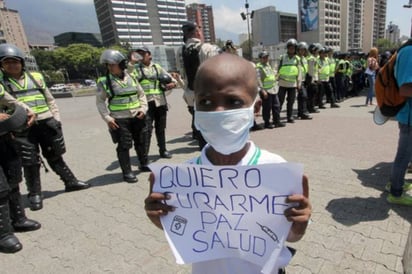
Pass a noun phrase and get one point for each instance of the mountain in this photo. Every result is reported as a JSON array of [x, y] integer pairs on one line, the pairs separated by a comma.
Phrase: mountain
[[43, 21]]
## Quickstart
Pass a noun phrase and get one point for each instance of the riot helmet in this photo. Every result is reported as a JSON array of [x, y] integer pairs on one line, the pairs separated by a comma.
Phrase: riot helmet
[[112, 56], [303, 45], [11, 51], [291, 42]]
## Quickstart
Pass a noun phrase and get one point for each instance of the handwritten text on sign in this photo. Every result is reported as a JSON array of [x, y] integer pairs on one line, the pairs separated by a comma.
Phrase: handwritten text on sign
[[227, 211]]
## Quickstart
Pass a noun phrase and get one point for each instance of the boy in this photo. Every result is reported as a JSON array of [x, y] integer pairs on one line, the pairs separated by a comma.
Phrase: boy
[[225, 92]]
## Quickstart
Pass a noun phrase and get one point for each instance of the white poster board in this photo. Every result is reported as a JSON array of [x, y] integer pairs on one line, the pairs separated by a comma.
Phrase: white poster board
[[227, 211]]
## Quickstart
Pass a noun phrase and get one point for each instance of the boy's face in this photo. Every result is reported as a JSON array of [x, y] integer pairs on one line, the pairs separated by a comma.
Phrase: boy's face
[[218, 98], [11, 66]]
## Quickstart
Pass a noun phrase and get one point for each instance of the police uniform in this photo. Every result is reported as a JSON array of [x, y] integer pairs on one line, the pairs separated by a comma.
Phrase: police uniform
[[125, 100], [12, 213], [289, 78], [324, 72], [267, 81], [311, 78], [45, 133], [148, 76], [302, 90], [193, 53]]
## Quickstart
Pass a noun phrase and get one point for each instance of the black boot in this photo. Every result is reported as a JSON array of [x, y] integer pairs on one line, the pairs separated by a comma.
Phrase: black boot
[[67, 176], [18, 217], [143, 159], [32, 176], [124, 162], [161, 142], [8, 242]]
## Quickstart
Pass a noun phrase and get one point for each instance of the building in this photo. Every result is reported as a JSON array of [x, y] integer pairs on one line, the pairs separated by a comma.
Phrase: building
[[393, 33], [140, 22], [11, 28], [283, 26], [203, 16], [342, 24], [67, 38]]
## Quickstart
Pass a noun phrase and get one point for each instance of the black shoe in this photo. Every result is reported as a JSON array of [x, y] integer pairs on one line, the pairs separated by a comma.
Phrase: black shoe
[[165, 154], [26, 225], [77, 185], [322, 107], [35, 202], [280, 124], [10, 244], [314, 111], [257, 127], [144, 168], [335, 106], [129, 177], [269, 126], [305, 116], [291, 120]]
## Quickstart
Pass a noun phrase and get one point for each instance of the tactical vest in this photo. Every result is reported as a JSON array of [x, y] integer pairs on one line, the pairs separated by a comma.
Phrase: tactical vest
[[191, 62], [31, 93], [332, 67], [341, 66], [150, 83], [324, 70], [122, 96], [304, 63], [269, 80], [289, 68]]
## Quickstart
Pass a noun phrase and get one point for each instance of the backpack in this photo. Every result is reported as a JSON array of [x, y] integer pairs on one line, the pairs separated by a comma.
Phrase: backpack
[[191, 62], [386, 87]]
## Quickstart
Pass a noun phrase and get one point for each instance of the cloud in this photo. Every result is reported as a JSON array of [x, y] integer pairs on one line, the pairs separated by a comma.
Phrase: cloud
[[229, 20]]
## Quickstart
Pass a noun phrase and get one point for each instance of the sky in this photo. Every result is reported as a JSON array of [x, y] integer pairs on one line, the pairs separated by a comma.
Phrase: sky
[[57, 16]]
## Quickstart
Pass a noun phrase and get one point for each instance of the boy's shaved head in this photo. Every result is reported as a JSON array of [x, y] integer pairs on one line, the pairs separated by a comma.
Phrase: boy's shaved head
[[226, 70]]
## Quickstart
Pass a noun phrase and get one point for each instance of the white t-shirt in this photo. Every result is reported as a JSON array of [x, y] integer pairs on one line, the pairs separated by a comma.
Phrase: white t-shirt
[[254, 156]]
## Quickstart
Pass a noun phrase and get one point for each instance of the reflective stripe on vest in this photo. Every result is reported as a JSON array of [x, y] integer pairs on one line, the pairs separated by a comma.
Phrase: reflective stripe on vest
[[124, 95], [30, 93], [324, 70], [341, 66], [289, 69], [150, 83], [269, 80], [304, 63]]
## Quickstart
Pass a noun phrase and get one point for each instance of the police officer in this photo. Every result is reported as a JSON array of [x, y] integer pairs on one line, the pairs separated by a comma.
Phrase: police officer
[[194, 52], [302, 90], [12, 214], [268, 92], [289, 77], [340, 71], [312, 77], [324, 71], [46, 132], [149, 76], [124, 112]]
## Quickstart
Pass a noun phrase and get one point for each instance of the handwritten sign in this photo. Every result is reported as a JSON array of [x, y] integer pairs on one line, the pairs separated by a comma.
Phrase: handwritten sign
[[227, 211]]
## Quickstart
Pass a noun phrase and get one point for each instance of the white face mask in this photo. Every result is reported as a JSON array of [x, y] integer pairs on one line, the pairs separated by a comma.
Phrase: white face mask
[[226, 131]]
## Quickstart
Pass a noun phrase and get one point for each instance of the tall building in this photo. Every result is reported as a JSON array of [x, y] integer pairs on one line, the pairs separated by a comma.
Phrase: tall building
[[342, 24], [283, 26], [11, 28], [203, 16], [140, 22]]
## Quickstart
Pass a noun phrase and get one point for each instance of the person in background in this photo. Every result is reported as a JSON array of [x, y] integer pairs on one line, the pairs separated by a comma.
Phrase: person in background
[[122, 104], [152, 77], [372, 68], [194, 52], [289, 76], [224, 104], [302, 90], [397, 186], [268, 92], [12, 214], [312, 77], [46, 132], [324, 72]]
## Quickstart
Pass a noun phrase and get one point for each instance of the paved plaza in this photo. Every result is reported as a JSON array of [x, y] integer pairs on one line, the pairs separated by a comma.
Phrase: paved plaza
[[104, 229]]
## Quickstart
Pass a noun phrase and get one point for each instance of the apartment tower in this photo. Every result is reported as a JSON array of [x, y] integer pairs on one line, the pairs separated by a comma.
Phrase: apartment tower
[[203, 16], [11, 28], [140, 22]]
